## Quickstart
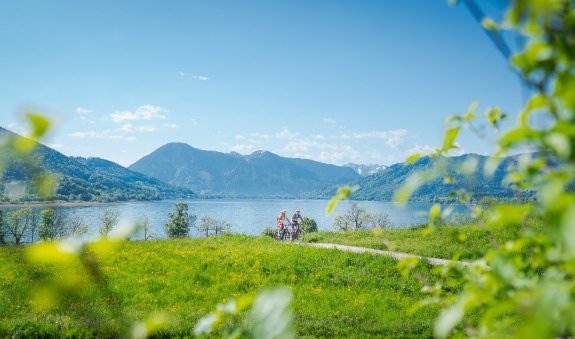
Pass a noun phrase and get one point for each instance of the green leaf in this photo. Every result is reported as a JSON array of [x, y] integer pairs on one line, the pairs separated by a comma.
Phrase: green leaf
[[448, 319], [412, 183], [568, 231], [271, 315], [471, 111], [206, 324], [560, 143], [40, 124], [434, 211], [332, 203], [489, 24], [343, 193], [449, 139], [413, 158], [505, 215]]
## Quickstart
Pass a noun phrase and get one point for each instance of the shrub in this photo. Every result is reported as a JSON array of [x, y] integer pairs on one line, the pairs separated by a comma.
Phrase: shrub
[[313, 238], [180, 222], [309, 225], [269, 232]]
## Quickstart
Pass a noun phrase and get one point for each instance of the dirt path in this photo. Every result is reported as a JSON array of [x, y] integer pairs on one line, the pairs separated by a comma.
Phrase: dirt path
[[395, 255]]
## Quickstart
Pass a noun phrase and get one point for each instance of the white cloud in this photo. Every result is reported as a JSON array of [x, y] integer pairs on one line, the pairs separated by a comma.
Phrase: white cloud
[[243, 148], [334, 153], [240, 137], [90, 121], [260, 135], [17, 128], [456, 152], [425, 150], [56, 146], [144, 112], [131, 128], [286, 134], [125, 115], [151, 112], [329, 121], [82, 110], [100, 135], [166, 125], [183, 74], [393, 138]]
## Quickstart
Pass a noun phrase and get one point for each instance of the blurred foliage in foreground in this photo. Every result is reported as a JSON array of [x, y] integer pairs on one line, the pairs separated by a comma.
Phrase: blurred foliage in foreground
[[525, 288]]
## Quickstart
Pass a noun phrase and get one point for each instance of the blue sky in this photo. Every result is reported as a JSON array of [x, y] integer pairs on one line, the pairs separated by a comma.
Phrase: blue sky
[[334, 81]]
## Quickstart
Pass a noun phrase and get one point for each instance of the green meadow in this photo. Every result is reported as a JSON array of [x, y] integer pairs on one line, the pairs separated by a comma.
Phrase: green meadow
[[335, 294], [462, 241]]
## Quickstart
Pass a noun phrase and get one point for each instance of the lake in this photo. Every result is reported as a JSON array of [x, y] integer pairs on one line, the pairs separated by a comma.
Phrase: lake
[[248, 216]]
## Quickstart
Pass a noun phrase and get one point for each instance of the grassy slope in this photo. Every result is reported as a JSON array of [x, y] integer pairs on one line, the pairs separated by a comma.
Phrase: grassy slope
[[336, 294], [468, 242]]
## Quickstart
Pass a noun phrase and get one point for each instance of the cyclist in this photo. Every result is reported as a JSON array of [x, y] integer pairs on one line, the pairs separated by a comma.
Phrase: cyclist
[[282, 222], [295, 220]]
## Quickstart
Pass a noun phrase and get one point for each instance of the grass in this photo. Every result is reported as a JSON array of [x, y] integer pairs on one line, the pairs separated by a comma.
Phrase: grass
[[336, 294], [465, 242]]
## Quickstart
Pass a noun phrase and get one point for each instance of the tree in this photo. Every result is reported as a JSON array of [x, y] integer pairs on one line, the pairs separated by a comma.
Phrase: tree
[[179, 222], [109, 219], [354, 218], [222, 226], [34, 224], [357, 218], [146, 227], [308, 225], [52, 225], [378, 220], [76, 228], [2, 237], [18, 223], [211, 224]]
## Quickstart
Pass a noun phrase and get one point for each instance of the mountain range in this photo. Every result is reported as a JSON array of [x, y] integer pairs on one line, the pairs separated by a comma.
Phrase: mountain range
[[466, 172], [178, 170], [80, 179], [261, 173]]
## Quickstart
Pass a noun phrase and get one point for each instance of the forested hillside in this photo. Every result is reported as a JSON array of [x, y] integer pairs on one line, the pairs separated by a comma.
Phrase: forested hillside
[[79, 179]]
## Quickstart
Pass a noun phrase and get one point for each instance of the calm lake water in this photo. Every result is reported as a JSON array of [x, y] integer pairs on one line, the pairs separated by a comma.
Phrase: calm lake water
[[249, 216]]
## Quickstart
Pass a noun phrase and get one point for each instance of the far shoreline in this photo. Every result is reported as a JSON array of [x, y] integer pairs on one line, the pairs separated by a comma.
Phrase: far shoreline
[[57, 204]]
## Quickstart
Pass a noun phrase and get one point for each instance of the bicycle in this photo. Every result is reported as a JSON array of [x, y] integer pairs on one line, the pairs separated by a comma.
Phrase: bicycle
[[281, 237], [296, 233]]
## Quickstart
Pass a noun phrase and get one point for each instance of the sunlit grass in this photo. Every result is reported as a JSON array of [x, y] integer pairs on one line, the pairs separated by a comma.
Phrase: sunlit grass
[[467, 242], [335, 293]]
